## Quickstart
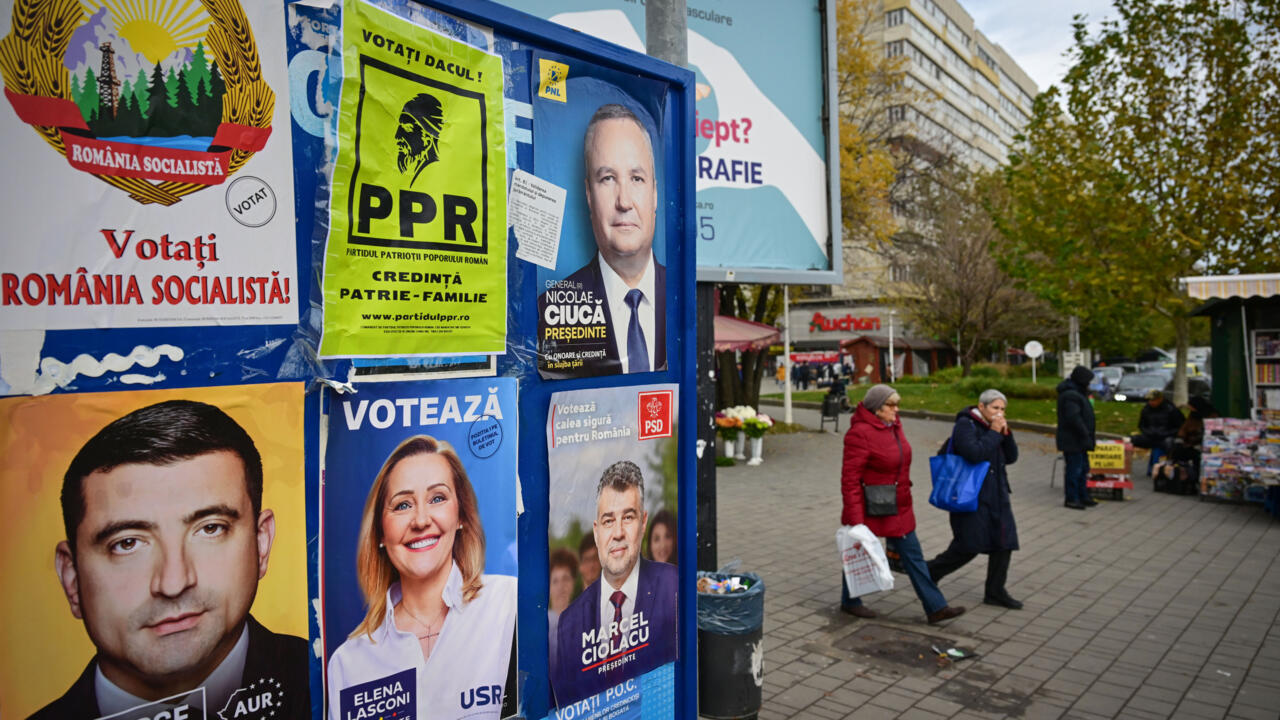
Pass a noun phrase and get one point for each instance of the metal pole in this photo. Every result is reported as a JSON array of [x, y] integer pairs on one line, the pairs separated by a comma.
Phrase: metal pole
[[786, 354], [1033, 371], [667, 38], [892, 366]]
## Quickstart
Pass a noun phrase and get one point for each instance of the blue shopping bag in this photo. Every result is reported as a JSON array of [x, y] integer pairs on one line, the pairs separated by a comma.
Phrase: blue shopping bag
[[956, 481]]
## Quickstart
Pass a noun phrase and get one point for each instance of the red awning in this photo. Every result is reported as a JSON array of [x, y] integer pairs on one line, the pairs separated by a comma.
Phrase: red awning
[[735, 334]]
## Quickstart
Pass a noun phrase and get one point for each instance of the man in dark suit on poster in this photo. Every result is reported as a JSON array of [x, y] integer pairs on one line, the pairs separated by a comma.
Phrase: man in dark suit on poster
[[609, 316], [624, 624], [166, 540]]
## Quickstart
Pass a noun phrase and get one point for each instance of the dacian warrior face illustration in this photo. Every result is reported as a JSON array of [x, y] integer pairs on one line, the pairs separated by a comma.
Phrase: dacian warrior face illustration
[[418, 134]]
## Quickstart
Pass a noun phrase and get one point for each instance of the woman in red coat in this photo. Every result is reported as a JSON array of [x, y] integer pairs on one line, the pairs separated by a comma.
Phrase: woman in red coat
[[876, 452]]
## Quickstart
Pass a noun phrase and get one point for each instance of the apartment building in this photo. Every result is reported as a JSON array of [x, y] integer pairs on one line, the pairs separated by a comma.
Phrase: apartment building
[[981, 97], [975, 99]]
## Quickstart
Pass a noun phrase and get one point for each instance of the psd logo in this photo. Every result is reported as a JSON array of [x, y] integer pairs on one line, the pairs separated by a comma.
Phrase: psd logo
[[656, 408], [166, 101]]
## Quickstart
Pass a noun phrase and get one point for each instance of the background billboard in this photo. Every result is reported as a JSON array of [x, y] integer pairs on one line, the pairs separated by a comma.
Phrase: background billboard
[[764, 209]]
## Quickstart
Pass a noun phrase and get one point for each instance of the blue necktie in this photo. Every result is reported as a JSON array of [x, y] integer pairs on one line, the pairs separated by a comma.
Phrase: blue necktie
[[637, 349]]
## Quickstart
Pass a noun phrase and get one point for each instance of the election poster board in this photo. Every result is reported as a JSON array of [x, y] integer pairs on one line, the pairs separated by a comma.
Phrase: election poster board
[[612, 239], [415, 262], [612, 462], [150, 170], [171, 566], [760, 132], [397, 519]]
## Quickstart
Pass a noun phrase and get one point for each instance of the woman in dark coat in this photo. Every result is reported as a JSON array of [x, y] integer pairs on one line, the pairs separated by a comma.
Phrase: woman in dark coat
[[876, 452], [982, 434]]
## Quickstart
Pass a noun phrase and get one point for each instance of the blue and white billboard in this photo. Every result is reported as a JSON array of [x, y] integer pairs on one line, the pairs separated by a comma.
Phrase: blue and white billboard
[[763, 204]]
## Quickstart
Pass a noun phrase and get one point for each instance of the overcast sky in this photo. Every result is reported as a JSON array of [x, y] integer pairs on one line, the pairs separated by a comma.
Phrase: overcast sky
[[1036, 33]]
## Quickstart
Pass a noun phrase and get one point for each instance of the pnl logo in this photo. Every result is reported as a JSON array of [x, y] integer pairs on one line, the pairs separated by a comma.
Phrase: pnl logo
[[656, 407], [553, 76]]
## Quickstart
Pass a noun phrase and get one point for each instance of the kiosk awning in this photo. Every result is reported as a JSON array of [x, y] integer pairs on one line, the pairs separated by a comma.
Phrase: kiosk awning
[[737, 334], [1205, 287]]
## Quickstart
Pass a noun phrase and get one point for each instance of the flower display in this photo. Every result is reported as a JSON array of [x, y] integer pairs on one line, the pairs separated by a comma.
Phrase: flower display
[[757, 426], [728, 425], [742, 417]]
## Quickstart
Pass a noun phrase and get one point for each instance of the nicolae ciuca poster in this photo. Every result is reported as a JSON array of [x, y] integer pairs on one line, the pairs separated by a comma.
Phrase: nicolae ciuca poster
[[612, 607], [602, 307], [148, 160], [154, 555], [418, 551], [417, 247]]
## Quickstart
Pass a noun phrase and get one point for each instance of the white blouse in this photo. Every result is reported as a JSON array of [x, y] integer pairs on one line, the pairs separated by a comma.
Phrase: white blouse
[[464, 677]]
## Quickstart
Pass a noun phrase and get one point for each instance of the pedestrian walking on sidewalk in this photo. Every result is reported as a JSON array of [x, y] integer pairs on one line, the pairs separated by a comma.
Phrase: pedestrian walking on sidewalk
[[981, 433], [878, 456], [1076, 436]]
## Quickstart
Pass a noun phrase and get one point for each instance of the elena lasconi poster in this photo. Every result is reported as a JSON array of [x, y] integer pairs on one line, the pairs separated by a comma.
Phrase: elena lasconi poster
[[418, 550]]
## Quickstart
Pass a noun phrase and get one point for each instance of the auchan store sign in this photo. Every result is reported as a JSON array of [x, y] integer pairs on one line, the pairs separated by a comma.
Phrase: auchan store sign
[[847, 323]]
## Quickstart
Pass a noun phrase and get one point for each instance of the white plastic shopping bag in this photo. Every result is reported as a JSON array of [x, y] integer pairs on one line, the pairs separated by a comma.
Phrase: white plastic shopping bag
[[866, 569]]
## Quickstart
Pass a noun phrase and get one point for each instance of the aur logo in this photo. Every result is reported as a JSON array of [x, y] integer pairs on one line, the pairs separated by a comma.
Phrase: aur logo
[[157, 99], [260, 700], [656, 408]]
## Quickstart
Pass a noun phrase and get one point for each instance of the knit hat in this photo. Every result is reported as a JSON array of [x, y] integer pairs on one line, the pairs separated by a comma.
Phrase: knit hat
[[877, 396]]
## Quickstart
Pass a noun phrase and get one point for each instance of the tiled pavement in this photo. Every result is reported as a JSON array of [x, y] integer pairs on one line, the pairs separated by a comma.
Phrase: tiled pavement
[[1157, 606]]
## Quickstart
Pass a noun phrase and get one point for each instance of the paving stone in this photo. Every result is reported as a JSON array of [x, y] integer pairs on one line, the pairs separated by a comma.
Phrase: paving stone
[[797, 696], [1133, 618], [945, 708], [872, 712], [894, 700], [917, 713]]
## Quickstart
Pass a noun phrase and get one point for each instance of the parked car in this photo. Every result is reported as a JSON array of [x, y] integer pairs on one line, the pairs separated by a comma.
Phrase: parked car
[[1105, 380], [1199, 354], [1127, 367], [1112, 373], [1192, 368], [1197, 386], [1155, 354], [1133, 387]]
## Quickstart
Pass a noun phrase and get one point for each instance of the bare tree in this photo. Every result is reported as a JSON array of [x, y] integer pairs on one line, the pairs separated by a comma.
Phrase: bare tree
[[950, 284]]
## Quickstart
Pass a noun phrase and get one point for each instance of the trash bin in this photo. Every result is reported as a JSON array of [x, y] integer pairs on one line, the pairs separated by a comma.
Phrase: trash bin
[[731, 649]]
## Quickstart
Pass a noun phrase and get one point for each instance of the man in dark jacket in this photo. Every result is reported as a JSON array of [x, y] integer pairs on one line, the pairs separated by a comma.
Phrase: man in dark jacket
[[1076, 436], [1159, 422]]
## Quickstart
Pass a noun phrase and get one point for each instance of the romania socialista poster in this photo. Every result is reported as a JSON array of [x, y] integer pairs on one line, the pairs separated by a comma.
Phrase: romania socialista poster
[[148, 165]]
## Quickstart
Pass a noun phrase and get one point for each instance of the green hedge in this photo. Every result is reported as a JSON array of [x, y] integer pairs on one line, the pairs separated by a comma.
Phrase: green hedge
[[1013, 381], [1020, 389]]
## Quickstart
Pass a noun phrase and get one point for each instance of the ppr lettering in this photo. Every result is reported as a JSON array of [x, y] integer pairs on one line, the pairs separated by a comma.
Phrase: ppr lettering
[[417, 208]]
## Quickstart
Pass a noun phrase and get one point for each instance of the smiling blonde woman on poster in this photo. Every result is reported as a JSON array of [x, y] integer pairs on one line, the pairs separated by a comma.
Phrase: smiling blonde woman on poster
[[437, 634]]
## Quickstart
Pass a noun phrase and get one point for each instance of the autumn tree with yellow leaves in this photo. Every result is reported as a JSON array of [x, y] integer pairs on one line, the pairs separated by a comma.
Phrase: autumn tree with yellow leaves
[[1155, 160]]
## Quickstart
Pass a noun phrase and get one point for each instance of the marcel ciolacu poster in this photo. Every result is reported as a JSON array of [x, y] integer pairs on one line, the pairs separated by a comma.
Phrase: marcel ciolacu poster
[[418, 550], [416, 257], [148, 158], [612, 622]]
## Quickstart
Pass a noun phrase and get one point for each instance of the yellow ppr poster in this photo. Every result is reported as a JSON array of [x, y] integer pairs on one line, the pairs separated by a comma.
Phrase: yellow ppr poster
[[415, 262]]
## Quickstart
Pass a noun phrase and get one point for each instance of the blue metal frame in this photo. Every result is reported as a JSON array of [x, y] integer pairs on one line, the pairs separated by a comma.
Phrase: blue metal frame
[[535, 393]]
